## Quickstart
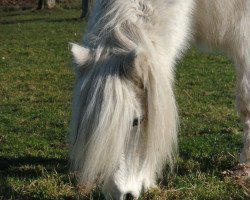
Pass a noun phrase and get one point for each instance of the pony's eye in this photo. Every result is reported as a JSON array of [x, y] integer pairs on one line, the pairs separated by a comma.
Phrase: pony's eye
[[138, 121], [135, 122]]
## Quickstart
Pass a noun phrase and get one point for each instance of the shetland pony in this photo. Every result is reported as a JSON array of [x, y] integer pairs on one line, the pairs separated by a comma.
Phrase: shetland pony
[[124, 120]]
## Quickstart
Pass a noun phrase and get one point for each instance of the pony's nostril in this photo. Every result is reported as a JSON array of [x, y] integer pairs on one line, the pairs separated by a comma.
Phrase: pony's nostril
[[129, 196]]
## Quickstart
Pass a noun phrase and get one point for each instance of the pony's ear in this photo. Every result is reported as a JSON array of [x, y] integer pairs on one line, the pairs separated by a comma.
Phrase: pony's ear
[[80, 54]]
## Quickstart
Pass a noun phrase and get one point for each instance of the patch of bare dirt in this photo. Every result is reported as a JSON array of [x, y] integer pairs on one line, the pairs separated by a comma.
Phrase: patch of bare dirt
[[240, 174]]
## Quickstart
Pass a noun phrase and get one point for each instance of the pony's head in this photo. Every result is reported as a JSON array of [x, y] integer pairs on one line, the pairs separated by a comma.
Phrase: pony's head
[[110, 102], [123, 100]]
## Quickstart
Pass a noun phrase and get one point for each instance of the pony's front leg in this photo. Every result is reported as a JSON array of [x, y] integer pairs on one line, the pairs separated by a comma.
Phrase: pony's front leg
[[243, 99]]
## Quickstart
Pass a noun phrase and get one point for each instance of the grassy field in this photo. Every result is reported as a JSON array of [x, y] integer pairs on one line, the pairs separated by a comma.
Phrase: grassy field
[[35, 94]]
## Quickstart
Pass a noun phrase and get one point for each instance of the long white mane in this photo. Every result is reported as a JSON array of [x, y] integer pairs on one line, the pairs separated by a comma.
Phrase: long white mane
[[124, 72]]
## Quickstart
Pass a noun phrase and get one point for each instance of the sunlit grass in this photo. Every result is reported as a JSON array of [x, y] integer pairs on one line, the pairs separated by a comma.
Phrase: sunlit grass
[[35, 94]]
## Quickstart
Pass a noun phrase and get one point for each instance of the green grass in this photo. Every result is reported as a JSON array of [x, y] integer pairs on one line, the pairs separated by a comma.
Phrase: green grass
[[35, 94]]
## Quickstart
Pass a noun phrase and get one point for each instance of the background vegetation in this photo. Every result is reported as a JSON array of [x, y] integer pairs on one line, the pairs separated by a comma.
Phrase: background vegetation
[[10, 5], [35, 94]]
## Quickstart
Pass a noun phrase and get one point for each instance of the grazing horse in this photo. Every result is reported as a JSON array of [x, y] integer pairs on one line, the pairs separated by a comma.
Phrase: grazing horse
[[124, 120]]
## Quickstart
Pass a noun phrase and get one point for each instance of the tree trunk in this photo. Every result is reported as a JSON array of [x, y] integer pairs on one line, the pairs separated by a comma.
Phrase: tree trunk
[[40, 4], [86, 7], [46, 4]]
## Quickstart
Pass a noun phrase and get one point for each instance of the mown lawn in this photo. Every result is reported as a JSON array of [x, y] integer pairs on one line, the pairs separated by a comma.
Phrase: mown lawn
[[35, 94]]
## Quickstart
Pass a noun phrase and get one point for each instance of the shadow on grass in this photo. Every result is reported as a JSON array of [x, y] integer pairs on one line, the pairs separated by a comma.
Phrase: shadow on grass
[[7, 192], [32, 168], [5, 13], [8, 163], [26, 167], [24, 21]]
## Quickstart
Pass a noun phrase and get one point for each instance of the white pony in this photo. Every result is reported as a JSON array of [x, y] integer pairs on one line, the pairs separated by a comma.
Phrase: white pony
[[124, 122]]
